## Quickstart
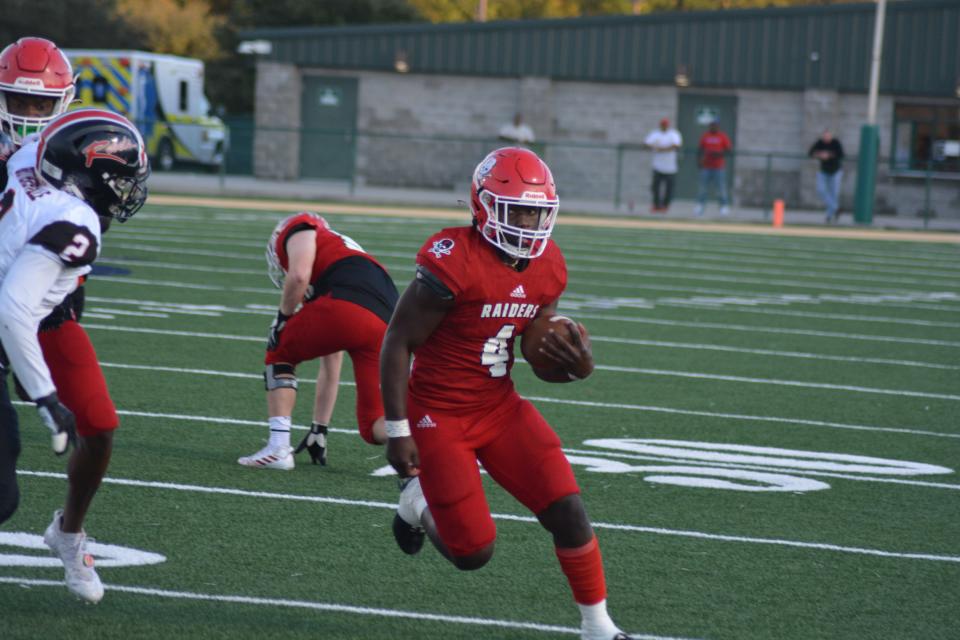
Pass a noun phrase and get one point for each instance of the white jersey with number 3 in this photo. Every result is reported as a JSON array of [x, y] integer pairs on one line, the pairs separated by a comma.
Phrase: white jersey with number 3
[[48, 239]]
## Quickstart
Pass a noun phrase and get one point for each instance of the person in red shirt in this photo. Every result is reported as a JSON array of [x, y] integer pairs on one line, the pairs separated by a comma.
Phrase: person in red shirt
[[476, 289], [336, 297], [714, 145]]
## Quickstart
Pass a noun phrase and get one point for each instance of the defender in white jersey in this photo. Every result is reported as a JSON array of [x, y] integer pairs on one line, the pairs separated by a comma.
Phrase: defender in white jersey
[[85, 169]]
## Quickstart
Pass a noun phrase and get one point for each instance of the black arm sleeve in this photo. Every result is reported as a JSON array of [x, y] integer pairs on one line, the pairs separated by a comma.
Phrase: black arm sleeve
[[433, 283]]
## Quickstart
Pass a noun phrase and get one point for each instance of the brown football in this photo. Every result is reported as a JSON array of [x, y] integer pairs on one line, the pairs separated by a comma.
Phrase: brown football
[[533, 336]]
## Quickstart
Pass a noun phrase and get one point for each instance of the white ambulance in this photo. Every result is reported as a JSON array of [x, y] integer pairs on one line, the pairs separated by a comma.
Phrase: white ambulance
[[162, 94]]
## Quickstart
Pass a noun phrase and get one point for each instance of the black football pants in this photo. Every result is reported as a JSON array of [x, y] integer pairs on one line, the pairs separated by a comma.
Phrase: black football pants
[[9, 451]]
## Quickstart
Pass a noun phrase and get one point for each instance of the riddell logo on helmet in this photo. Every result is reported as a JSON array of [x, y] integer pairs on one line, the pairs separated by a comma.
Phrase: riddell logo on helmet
[[104, 149], [534, 195], [32, 83]]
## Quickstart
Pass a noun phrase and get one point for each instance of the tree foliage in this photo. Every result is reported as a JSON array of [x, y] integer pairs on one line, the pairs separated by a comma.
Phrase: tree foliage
[[168, 26], [466, 10]]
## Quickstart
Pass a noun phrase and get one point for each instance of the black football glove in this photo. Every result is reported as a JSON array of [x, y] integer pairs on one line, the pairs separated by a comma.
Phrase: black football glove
[[315, 442], [60, 421], [273, 337]]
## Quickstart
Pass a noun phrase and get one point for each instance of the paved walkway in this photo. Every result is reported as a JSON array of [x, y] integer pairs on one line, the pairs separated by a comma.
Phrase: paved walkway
[[341, 191]]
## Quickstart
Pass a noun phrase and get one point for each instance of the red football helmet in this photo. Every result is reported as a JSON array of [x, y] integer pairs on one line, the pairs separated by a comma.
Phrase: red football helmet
[[510, 185], [33, 67]]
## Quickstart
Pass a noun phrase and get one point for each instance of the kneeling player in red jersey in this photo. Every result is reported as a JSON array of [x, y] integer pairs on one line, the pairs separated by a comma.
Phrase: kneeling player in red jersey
[[336, 297], [476, 289]]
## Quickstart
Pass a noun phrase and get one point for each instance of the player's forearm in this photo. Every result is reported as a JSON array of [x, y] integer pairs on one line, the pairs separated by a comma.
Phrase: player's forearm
[[294, 288], [394, 372], [29, 279]]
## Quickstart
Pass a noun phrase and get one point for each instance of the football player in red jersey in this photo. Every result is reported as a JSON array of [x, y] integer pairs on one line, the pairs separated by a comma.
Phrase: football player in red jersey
[[36, 85], [476, 289], [336, 298]]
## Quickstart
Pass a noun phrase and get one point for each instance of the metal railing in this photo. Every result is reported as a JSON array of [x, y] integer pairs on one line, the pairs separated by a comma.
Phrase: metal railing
[[619, 174]]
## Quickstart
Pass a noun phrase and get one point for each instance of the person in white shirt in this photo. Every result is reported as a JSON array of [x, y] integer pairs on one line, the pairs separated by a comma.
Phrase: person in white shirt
[[517, 132], [664, 142], [63, 187]]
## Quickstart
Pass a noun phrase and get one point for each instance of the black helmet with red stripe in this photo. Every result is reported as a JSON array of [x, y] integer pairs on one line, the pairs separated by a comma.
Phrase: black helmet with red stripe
[[97, 156]]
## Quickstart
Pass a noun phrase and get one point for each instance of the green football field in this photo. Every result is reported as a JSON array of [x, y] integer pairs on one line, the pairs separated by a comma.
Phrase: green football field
[[767, 449]]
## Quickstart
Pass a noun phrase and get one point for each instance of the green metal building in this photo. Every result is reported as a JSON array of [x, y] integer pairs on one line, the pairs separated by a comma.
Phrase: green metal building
[[718, 62]]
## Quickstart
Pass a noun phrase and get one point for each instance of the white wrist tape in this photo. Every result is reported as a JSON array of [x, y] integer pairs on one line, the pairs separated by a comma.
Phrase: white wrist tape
[[397, 428]]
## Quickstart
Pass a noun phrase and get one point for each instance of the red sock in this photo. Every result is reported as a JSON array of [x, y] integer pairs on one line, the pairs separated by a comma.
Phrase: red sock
[[583, 567]]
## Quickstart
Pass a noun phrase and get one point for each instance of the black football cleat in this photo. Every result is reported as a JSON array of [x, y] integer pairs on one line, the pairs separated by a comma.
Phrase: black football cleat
[[408, 537]]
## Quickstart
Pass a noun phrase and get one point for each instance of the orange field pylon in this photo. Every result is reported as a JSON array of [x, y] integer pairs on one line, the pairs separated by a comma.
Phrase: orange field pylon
[[778, 213]]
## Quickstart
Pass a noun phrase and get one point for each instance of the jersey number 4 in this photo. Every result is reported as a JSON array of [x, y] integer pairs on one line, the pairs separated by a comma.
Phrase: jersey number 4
[[496, 351]]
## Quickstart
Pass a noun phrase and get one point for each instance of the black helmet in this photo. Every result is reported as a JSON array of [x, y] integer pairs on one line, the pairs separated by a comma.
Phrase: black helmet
[[97, 156]]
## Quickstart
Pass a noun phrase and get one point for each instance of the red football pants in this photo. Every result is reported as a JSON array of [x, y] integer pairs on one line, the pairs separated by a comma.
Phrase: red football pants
[[76, 373], [516, 447], [328, 325]]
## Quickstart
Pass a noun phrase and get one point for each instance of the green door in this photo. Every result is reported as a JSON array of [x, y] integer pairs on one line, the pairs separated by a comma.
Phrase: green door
[[695, 112], [327, 137]]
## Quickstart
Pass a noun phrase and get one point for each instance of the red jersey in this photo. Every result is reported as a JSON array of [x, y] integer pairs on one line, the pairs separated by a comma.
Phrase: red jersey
[[714, 145], [331, 246], [465, 363]]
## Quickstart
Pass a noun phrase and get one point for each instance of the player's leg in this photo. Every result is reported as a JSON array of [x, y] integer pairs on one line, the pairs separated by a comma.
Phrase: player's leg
[[324, 400], [366, 373], [298, 343], [9, 451], [527, 461], [280, 383], [81, 386], [457, 520]]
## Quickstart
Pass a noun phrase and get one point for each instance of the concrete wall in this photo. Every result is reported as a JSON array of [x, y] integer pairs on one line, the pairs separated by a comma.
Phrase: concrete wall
[[276, 143], [430, 131]]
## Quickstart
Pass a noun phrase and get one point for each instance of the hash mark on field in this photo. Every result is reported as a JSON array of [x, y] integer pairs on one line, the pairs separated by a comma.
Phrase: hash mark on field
[[819, 546], [325, 606]]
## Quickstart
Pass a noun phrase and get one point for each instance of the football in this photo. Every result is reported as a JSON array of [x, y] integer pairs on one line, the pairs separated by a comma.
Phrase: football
[[533, 336]]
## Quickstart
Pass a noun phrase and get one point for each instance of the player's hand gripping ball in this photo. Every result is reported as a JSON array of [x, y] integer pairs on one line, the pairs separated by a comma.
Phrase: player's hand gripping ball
[[554, 342]]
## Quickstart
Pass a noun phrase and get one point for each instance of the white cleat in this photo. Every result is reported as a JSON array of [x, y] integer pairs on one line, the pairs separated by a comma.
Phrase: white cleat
[[81, 578], [270, 457]]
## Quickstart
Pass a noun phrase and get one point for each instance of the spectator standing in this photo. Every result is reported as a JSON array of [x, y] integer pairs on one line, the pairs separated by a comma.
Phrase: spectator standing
[[664, 142], [829, 152], [714, 145]]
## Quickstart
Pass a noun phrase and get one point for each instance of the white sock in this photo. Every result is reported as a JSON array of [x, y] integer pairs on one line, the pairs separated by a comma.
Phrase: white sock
[[280, 431], [412, 503], [595, 622]]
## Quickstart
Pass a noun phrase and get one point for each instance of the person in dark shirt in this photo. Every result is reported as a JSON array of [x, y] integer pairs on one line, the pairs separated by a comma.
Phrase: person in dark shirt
[[829, 152]]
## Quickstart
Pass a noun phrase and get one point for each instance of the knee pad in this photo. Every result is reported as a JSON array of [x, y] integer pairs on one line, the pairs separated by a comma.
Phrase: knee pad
[[288, 381]]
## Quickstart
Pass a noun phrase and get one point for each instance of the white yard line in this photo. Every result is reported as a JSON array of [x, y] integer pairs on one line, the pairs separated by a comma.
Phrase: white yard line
[[330, 607], [834, 271], [762, 329], [276, 206], [819, 546]]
